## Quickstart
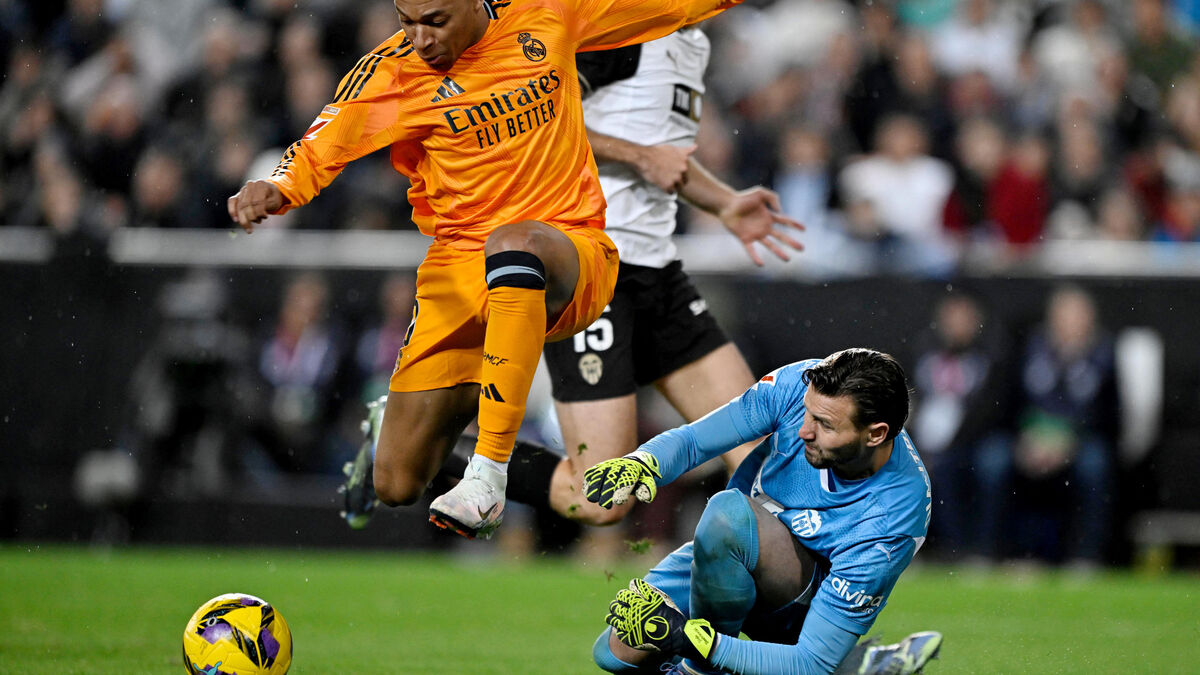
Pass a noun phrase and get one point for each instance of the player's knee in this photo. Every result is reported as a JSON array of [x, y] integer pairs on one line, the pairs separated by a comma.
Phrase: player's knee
[[524, 236], [396, 487], [727, 527]]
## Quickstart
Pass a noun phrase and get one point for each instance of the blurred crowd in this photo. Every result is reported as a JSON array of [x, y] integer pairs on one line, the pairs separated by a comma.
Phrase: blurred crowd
[[905, 133]]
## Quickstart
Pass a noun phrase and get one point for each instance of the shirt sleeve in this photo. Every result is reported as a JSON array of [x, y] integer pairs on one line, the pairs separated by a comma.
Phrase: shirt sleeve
[[605, 24], [365, 115], [752, 415], [820, 649]]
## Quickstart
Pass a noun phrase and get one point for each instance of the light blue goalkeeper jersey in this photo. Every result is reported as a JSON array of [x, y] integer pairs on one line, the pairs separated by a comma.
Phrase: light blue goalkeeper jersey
[[868, 530]]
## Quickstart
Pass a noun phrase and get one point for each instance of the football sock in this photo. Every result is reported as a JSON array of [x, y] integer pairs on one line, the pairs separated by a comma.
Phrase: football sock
[[530, 469], [512, 345]]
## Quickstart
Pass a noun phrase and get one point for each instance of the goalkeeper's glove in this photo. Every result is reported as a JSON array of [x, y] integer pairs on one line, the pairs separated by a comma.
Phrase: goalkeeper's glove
[[611, 481], [644, 618]]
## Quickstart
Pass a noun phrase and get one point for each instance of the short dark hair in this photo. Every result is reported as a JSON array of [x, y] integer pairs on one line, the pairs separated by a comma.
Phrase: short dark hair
[[874, 380]]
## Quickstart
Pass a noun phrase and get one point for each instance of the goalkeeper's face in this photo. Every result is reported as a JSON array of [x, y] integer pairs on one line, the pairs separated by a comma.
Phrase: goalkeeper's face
[[832, 439]]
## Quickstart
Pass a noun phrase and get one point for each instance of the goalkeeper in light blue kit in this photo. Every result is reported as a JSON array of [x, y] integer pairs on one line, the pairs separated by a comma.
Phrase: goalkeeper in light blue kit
[[803, 548]]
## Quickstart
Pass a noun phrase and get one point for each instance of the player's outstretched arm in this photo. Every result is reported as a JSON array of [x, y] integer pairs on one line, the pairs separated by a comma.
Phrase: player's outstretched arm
[[753, 215], [254, 202], [665, 166], [605, 24]]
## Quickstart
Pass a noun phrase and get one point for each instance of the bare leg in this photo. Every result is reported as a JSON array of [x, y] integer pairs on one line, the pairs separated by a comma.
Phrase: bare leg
[[708, 383], [784, 567], [419, 429], [593, 431]]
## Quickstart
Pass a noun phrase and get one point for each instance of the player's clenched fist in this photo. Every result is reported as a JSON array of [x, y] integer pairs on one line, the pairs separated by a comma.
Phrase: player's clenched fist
[[254, 202], [611, 482]]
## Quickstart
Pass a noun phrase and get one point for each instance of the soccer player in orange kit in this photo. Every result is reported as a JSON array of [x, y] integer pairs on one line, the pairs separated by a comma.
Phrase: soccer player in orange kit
[[480, 105]]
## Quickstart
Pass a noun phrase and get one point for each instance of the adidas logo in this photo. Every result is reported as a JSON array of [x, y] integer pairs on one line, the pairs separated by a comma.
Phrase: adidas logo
[[447, 89], [490, 392]]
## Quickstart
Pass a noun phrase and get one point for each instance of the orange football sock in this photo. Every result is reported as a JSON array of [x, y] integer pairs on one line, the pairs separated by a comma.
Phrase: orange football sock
[[512, 345]]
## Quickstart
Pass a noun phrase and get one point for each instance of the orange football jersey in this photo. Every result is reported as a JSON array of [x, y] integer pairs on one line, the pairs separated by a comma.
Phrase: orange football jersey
[[497, 139]]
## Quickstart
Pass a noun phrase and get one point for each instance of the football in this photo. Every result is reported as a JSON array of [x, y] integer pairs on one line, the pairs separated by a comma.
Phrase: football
[[237, 634]]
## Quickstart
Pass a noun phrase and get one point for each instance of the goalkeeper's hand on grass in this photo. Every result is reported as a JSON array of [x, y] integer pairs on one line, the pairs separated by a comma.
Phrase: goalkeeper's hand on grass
[[611, 482], [644, 618]]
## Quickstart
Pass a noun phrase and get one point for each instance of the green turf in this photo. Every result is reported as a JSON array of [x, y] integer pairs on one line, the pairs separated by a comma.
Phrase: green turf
[[69, 610]]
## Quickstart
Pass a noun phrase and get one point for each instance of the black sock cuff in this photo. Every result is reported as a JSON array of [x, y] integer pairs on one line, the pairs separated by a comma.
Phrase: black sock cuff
[[530, 471], [517, 269]]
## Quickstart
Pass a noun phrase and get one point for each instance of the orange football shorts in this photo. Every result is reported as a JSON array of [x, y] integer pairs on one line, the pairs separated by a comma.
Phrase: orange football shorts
[[445, 342]]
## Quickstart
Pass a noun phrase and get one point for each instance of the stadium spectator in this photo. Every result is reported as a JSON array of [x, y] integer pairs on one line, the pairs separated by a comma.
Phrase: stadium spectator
[[28, 115], [872, 93], [925, 94], [378, 345], [979, 149], [980, 38], [299, 44], [160, 197], [299, 366], [114, 135], [1080, 171], [859, 501], [1156, 49], [224, 46], [1070, 50], [1182, 220], [1182, 108], [896, 197], [218, 169], [81, 32], [1127, 105], [1020, 195], [1053, 484], [1121, 217], [804, 183], [959, 379], [191, 391]]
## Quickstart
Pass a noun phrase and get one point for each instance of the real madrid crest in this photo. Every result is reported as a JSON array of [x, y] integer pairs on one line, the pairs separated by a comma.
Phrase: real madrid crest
[[535, 49]]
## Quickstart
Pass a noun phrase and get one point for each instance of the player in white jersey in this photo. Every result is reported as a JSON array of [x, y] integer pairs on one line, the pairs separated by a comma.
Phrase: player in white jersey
[[642, 116]]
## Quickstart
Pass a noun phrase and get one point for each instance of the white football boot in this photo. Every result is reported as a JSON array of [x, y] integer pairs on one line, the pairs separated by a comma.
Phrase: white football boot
[[474, 507]]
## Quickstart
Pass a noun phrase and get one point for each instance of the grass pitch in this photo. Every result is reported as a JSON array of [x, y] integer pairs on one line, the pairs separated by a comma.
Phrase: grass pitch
[[70, 610]]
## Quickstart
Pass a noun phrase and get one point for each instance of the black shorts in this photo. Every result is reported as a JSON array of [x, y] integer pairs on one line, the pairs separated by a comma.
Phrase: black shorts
[[656, 324]]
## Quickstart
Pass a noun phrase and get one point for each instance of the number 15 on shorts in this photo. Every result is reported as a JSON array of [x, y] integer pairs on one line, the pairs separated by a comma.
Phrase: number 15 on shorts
[[597, 337]]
